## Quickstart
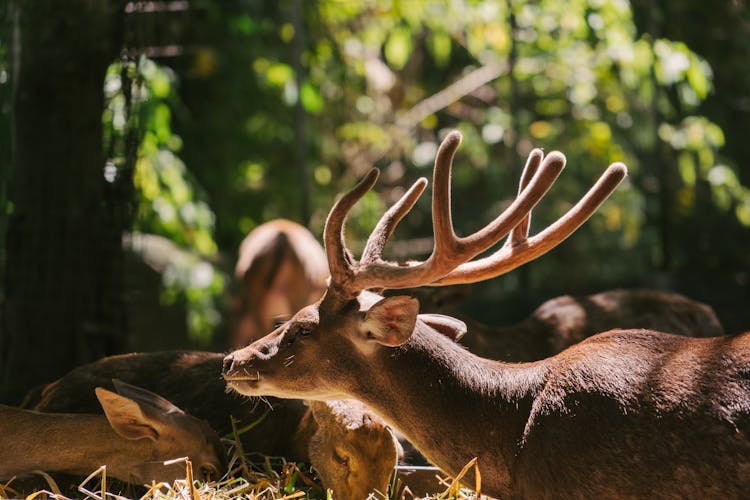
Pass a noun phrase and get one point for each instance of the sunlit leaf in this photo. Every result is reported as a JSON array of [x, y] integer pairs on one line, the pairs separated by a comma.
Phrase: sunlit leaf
[[311, 99], [743, 212], [698, 80], [440, 47], [398, 47], [686, 166], [278, 74]]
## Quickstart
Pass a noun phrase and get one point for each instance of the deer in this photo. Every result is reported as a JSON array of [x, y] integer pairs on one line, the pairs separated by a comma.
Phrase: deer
[[566, 320], [281, 268], [625, 413], [138, 432], [352, 449], [346, 433]]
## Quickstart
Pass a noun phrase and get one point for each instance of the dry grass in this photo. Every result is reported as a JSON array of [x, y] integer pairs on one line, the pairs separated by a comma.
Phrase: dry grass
[[264, 478]]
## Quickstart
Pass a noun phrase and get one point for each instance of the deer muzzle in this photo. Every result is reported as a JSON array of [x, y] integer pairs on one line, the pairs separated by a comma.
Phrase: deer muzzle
[[235, 370]]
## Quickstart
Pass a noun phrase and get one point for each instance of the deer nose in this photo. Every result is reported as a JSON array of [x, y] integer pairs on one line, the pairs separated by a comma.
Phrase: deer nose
[[226, 365]]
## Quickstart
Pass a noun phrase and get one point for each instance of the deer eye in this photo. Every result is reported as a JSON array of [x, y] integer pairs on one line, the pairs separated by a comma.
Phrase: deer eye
[[341, 458], [305, 331], [209, 472]]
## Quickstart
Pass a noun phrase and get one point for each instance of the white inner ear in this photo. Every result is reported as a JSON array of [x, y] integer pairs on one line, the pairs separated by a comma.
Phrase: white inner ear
[[391, 321], [363, 343]]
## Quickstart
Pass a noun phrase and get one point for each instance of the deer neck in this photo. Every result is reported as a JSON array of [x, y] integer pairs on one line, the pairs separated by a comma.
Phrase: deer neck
[[452, 405]]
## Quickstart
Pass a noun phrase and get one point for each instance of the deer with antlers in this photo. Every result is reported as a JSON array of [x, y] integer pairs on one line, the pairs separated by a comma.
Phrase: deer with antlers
[[624, 413]]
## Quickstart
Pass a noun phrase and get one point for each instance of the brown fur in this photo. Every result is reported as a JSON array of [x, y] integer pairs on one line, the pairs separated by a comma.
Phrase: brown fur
[[626, 413], [133, 440], [616, 401], [193, 380], [346, 432], [564, 321]]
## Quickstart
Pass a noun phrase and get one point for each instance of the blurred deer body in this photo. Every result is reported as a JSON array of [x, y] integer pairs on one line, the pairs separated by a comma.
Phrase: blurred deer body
[[281, 268], [336, 437], [621, 414], [564, 321], [133, 439]]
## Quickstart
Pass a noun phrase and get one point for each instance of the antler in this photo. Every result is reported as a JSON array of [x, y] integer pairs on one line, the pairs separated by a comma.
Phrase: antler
[[449, 261]]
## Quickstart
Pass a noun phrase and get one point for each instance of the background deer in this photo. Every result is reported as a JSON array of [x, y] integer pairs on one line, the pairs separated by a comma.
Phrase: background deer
[[341, 439], [137, 433], [564, 321], [280, 268], [624, 413]]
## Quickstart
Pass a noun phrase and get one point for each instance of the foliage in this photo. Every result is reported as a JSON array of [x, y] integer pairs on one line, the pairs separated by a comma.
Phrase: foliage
[[169, 201], [575, 76]]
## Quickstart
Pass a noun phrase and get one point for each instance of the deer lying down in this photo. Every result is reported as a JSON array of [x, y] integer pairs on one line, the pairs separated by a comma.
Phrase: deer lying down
[[340, 439], [138, 432], [564, 321], [622, 414]]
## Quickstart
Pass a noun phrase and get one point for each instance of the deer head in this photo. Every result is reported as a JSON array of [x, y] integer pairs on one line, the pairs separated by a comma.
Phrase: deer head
[[331, 349], [137, 414], [352, 449]]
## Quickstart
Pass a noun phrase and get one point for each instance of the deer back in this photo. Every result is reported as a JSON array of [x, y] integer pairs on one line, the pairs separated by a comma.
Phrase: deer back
[[636, 413], [564, 321]]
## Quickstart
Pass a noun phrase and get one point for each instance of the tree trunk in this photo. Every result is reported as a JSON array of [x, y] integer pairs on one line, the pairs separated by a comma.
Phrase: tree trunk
[[63, 285]]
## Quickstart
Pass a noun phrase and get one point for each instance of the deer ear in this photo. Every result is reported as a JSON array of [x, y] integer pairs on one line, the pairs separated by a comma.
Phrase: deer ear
[[452, 328], [125, 416], [391, 321]]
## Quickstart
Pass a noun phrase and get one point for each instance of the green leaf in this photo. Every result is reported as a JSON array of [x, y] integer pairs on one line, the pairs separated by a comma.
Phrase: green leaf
[[698, 80], [311, 99], [398, 47], [686, 165], [743, 212], [160, 85], [278, 74], [440, 46]]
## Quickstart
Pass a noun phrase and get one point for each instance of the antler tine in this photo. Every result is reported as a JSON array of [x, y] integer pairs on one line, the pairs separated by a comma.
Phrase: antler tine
[[521, 232], [442, 219], [450, 251], [387, 224], [448, 246], [333, 234], [449, 262], [548, 171], [508, 258]]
